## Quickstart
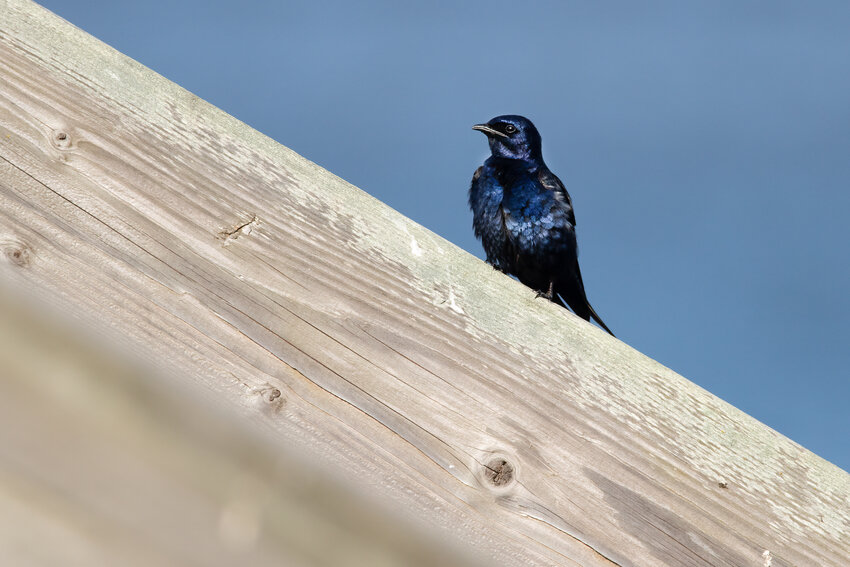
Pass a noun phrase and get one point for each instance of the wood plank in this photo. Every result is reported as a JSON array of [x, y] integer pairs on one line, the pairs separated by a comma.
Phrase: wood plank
[[400, 358], [105, 462]]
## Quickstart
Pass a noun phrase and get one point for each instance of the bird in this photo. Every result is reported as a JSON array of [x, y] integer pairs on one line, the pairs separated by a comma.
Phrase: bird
[[523, 215]]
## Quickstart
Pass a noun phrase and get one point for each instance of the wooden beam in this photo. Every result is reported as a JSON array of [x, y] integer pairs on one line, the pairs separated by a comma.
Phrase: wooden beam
[[106, 462], [442, 386]]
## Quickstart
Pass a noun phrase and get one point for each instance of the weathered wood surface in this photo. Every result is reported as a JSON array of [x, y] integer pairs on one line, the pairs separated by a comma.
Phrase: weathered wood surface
[[104, 462], [238, 263]]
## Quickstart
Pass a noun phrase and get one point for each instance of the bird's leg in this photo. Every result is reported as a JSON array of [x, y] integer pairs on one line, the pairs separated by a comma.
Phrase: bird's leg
[[496, 266], [547, 294]]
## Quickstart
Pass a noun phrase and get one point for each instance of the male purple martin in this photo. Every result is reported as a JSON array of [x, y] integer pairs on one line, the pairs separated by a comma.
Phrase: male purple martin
[[523, 215]]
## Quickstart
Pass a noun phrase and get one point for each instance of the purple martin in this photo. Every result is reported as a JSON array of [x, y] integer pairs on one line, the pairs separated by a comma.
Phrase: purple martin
[[524, 217]]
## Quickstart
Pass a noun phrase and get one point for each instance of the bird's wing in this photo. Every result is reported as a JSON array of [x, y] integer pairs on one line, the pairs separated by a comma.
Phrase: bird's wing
[[473, 198], [551, 182], [507, 222]]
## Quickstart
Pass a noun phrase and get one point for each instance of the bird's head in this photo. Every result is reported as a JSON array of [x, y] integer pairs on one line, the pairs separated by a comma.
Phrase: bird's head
[[512, 136]]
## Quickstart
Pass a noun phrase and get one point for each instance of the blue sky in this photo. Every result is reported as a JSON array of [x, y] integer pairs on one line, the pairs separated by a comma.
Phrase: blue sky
[[706, 147]]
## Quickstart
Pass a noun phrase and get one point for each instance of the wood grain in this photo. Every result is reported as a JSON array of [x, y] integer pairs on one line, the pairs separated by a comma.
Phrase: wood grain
[[106, 462], [400, 359]]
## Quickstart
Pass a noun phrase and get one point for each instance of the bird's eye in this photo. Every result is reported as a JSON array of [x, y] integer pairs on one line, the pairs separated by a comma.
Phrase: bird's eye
[[510, 129]]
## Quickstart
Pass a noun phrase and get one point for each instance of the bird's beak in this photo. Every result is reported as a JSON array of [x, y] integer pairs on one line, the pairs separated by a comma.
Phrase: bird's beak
[[489, 131]]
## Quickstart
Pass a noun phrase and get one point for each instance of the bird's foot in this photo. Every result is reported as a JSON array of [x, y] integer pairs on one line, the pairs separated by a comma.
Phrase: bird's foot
[[547, 294]]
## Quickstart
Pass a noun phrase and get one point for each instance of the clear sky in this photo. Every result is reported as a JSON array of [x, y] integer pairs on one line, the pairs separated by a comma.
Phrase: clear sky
[[706, 147]]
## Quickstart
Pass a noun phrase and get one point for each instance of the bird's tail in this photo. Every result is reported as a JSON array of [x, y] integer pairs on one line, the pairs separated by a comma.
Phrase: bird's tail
[[599, 320], [578, 302]]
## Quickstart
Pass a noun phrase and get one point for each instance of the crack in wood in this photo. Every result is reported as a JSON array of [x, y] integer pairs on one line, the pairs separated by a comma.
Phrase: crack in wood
[[229, 235]]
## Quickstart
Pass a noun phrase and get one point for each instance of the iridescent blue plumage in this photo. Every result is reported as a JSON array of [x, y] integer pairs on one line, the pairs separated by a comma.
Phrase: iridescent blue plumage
[[523, 215]]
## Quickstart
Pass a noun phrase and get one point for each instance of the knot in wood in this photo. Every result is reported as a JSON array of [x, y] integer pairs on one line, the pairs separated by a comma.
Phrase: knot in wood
[[61, 140], [499, 472], [268, 399], [17, 253]]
